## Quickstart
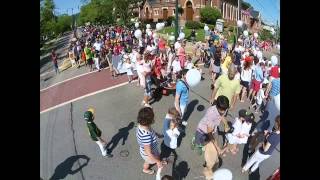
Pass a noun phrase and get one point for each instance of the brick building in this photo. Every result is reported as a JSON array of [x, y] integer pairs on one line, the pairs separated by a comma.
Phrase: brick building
[[158, 10]]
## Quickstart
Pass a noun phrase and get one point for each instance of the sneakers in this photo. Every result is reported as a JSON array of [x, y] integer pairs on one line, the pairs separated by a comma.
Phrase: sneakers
[[185, 123], [108, 155]]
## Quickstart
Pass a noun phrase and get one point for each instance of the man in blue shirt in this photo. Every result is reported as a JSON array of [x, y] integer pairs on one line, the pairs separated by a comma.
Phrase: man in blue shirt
[[182, 95]]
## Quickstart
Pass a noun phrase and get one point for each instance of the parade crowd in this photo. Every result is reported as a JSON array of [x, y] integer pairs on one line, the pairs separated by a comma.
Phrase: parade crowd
[[238, 72]]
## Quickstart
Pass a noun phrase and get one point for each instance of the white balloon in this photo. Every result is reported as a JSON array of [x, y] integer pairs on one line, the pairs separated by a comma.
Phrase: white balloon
[[239, 23], [159, 26], [254, 52], [117, 34], [222, 174], [149, 32], [245, 33], [138, 33], [274, 60], [206, 28], [171, 38], [136, 24], [255, 35], [148, 26], [182, 35], [278, 46], [193, 77]]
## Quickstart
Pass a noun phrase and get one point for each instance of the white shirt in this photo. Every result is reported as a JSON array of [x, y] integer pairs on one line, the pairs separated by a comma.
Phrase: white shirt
[[97, 46], [170, 135], [246, 75], [176, 66], [239, 128], [260, 96], [189, 66], [177, 45]]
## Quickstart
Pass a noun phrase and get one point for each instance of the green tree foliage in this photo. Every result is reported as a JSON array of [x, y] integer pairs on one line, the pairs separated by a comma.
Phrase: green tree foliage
[[97, 11], [63, 24], [209, 15], [124, 9], [266, 35]]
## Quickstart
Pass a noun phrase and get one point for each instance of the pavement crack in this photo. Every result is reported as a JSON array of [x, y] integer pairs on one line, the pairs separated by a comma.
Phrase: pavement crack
[[74, 140]]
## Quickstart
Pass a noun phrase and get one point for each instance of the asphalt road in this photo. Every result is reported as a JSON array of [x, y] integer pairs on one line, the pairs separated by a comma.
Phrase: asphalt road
[[65, 144]]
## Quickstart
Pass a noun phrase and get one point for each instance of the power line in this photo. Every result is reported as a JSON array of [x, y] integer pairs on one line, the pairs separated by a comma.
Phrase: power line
[[265, 10]]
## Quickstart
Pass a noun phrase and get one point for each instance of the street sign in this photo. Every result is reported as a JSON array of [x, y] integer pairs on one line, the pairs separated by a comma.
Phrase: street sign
[[219, 25]]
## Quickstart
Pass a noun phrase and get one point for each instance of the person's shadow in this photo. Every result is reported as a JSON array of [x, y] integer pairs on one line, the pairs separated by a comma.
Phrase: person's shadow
[[190, 108], [65, 168], [123, 134], [181, 171]]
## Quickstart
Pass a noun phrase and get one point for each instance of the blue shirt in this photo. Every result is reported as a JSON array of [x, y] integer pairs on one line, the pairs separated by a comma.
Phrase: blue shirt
[[258, 74], [183, 91], [275, 87]]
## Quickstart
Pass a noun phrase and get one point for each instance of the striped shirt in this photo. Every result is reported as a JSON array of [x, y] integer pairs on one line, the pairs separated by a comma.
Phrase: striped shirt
[[275, 87], [145, 137]]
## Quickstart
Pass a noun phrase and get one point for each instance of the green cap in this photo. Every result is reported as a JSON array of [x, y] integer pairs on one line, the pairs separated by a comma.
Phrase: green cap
[[88, 116]]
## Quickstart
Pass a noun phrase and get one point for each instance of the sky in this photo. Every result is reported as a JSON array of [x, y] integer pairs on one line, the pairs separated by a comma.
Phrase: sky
[[64, 6], [269, 9]]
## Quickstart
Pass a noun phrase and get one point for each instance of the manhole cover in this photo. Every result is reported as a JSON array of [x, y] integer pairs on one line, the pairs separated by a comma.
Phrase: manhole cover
[[124, 153]]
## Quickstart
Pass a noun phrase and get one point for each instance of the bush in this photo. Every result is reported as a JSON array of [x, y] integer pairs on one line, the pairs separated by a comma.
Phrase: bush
[[193, 25], [209, 15], [170, 20]]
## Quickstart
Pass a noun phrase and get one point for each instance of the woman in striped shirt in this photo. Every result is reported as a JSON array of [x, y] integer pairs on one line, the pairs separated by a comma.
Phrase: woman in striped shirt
[[147, 140]]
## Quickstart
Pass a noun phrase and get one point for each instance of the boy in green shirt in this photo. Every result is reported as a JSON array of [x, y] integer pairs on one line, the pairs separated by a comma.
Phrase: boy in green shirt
[[95, 132]]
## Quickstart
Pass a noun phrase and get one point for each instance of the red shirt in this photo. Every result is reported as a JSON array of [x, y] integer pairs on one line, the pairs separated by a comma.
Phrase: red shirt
[[162, 44], [274, 72]]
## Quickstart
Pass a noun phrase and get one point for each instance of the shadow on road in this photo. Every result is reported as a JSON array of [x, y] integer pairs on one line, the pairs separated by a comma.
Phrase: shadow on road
[[187, 114], [65, 168], [123, 134]]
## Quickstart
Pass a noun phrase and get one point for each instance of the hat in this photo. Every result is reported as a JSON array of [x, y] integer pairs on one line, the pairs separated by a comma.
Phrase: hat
[[88, 116]]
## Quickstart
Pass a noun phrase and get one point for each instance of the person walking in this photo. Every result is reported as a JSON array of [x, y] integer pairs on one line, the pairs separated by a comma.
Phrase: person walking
[[54, 58], [147, 140], [95, 132], [182, 95], [265, 151]]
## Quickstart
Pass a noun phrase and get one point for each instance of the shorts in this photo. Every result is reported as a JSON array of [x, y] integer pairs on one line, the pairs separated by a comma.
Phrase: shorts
[[147, 89], [255, 86], [216, 69], [147, 159], [90, 61], [245, 84], [201, 138]]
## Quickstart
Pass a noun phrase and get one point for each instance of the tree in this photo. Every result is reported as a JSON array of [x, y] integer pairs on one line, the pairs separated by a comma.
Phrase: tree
[[97, 11], [266, 35], [209, 15], [63, 24], [124, 8], [47, 18]]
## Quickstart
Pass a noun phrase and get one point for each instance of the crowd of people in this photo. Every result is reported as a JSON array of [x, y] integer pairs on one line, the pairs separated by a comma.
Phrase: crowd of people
[[239, 73]]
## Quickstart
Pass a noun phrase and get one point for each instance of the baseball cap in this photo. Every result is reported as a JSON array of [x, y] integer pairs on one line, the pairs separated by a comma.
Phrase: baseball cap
[[88, 116]]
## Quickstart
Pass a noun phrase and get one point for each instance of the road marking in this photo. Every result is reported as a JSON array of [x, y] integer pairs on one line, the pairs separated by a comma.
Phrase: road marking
[[70, 79], [84, 96]]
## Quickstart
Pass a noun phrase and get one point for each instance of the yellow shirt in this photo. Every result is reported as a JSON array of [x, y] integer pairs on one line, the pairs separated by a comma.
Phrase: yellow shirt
[[225, 65], [227, 87]]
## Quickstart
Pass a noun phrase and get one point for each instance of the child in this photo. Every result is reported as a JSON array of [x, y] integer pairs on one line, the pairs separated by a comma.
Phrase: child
[[189, 62], [171, 134], [129, 67], [83, 57], [96, 61], [176, 68], [95, 132], [240, 134], [260, 97]]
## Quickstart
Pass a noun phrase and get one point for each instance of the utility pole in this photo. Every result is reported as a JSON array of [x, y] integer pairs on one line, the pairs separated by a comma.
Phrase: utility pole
[[176, 22]]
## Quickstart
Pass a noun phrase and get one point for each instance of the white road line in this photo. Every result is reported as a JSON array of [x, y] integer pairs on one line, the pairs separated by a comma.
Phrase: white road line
[[84, 96], [70, 79]]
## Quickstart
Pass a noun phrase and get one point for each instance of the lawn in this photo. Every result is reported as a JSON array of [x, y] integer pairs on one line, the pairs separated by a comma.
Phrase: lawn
[[199, 35]]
